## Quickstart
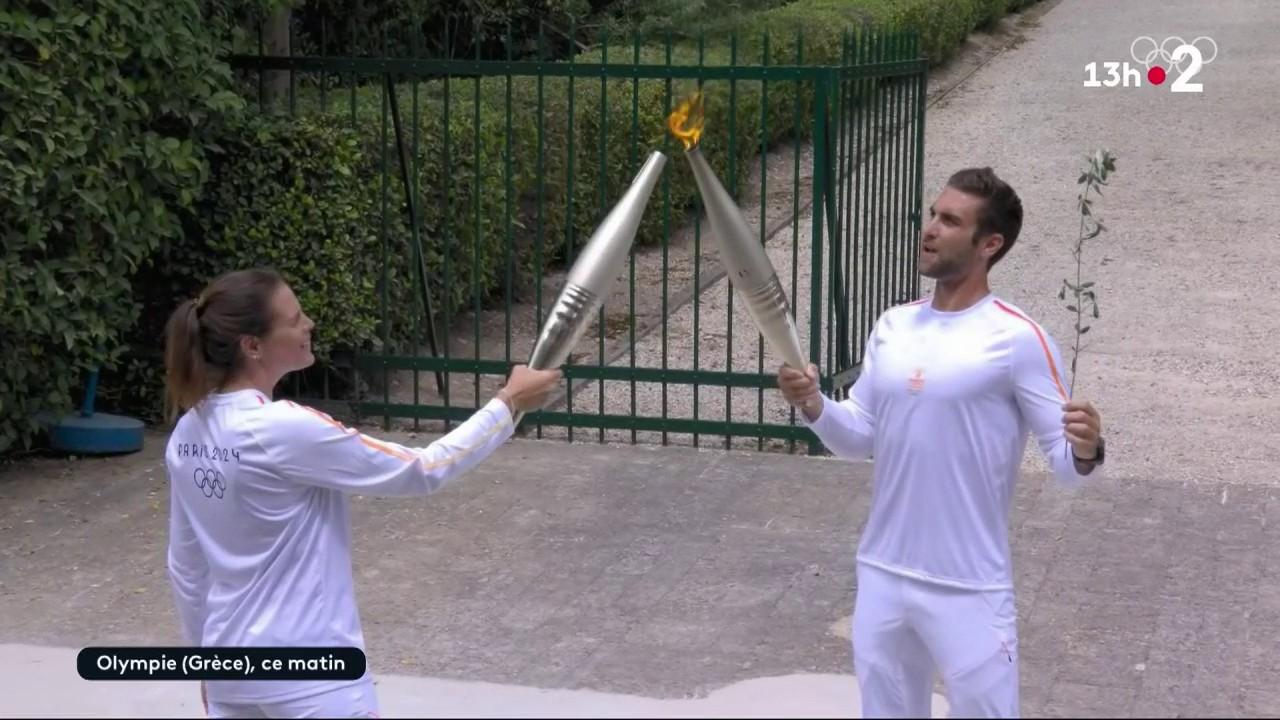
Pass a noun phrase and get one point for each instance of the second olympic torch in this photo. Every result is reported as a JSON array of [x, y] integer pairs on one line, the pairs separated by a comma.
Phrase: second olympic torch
[[750, 271], [594, 272]]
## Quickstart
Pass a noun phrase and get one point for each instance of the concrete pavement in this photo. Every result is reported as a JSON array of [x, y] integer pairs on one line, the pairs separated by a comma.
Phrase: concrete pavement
[[624, 575], [677, 573]]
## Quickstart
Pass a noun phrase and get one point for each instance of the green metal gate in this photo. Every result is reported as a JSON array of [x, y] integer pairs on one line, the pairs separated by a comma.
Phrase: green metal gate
[[824, 154]]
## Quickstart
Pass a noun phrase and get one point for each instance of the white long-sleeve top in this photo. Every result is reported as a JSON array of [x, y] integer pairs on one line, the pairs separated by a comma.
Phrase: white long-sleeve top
[[944, 404], [260, 530]]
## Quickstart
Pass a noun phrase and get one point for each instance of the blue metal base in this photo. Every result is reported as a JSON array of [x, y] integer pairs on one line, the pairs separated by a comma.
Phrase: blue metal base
[[97, 434]]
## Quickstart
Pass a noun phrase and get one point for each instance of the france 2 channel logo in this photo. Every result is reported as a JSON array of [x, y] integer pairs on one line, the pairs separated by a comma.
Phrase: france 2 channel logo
[[1173, 57]]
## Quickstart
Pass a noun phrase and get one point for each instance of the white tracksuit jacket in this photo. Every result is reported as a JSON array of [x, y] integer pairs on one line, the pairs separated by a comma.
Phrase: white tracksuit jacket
[[945, 402], [260, 531]]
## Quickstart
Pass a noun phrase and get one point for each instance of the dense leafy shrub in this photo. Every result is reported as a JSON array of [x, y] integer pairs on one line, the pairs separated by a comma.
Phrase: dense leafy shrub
[[436, 29], [943, 25], [105, 109], [286, 194]]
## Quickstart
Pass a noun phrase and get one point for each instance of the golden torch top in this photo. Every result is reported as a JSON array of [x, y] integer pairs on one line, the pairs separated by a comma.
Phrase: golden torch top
[[686, 121]]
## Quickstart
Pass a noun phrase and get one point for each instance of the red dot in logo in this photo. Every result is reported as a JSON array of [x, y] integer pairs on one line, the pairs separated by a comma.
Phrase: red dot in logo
[[1156, 75]]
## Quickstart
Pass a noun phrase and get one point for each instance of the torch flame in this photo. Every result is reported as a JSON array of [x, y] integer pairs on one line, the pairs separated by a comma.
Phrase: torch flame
[[686, 121]]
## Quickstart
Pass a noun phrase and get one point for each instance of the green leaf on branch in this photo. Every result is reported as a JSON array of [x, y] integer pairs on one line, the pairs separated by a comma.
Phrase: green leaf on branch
[[1099, 165]]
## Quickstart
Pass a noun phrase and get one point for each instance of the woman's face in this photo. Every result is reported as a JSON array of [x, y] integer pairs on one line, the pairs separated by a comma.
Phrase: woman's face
[[287, 347]]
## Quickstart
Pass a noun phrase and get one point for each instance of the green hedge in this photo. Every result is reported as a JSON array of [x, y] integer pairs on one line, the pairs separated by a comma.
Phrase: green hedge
[[105, 111], [943, 25], [288, 194]]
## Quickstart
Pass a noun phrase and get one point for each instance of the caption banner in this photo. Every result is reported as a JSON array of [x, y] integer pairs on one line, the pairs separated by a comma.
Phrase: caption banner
[[221, 663]]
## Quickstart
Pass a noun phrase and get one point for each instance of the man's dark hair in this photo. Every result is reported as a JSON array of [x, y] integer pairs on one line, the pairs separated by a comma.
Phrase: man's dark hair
[[1002, 210]]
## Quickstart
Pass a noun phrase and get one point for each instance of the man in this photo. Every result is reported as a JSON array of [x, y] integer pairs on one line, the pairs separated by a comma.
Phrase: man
[[949, 388]]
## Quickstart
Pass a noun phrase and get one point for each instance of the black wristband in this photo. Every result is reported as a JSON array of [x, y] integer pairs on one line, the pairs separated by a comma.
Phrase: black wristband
[[1096, 459]]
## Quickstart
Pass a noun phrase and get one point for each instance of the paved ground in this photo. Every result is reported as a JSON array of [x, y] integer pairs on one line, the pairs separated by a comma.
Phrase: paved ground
[[682, 571], [667, 573]]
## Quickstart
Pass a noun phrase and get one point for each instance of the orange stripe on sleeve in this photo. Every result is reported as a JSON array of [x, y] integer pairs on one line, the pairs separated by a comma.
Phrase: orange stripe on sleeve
[[368, 441], [1048, 356]]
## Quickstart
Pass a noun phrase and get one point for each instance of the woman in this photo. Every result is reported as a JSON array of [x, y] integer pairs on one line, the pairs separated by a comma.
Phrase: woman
[[259, 530]]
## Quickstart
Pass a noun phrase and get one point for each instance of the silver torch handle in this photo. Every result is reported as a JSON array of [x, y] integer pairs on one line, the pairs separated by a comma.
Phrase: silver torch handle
[[595, 272], [749, 269]]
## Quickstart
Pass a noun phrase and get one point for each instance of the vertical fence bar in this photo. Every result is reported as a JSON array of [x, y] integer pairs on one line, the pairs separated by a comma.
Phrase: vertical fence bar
[[883, 184], [851, 181], [509, 231], [797, 119], [899, 204], [886, 189], [385, 308], [820, 150], [540, 169], [476, 237], [764, 220], [863, 183], [827, 364], [866, 132], [733, 192], [895, 176], [351, 40], [906, 210], [602, 195], [922, 80], [569, 220], [635, 159], [420, 261], [447, 239], [877, 185], [891, 148], [846, 185], [666, 239], [293, 112], [839, 286], [908, 189], [697, 262]]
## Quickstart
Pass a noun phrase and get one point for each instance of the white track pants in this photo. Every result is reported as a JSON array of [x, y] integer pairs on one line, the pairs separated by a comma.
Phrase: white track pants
[[354, 701], [905, 630]]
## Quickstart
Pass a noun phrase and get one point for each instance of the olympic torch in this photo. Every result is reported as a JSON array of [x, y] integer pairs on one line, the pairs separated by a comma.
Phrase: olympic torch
[[594, 272], [749, 269]]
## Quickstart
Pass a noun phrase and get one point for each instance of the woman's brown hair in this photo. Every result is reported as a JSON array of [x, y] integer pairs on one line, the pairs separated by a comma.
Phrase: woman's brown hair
[[202, 337]]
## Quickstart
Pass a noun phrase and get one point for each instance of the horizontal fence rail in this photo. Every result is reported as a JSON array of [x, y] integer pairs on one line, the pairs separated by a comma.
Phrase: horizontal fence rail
[[486, 177]]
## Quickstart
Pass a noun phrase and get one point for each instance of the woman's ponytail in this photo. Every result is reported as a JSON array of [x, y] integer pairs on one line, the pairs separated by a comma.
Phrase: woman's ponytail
[[186, 376]]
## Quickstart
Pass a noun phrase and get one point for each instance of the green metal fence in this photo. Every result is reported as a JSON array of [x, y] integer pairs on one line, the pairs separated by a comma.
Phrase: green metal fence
[[492, 174]]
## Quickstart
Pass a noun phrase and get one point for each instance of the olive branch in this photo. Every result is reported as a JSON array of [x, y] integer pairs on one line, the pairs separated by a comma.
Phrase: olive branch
[[1084, 298]]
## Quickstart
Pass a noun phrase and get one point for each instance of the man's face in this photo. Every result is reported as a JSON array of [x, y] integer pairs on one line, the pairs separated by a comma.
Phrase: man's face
[[947, 247]]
